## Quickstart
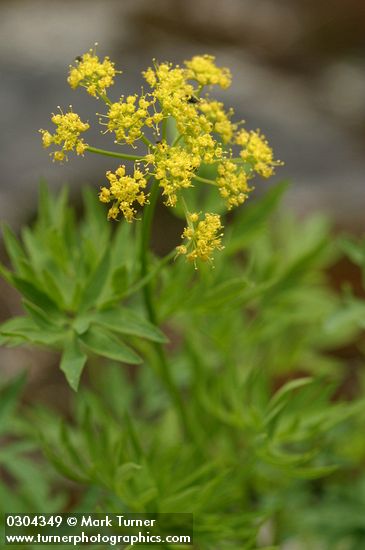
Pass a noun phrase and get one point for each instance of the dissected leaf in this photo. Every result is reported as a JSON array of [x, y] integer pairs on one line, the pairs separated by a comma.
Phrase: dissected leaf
[[9, 394], [73, 361], [126, 321], [105, 344], [94, 287]]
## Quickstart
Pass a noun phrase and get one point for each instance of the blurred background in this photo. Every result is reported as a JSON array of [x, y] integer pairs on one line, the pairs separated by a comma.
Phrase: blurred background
[[299, 75]]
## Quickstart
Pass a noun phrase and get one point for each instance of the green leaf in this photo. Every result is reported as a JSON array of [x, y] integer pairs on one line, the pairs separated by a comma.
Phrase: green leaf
[[95, 225], [16, 324], [314, 472], [354, 250], [6, 274], [120, 280], [53, 287], [14, 249], [60, 208], [72, 362], [9, 396], [275, 456], [222, 294], [287, 389], [60, 463], [36, 296], [36, 249], [133, 436], [52, 243], [126, 321], [102, 343], [95, 285], [350, 316], [126, 471], [94, 214], [40, 318], [23, 329], [254, 217], [45, 206], [296, 271], [82, 323]]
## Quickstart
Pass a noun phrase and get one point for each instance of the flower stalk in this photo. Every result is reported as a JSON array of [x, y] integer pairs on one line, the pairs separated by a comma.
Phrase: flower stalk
[[164, 370]]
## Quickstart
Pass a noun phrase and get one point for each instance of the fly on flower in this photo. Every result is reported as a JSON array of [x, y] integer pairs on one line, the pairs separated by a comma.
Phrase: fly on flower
[[193, 99]]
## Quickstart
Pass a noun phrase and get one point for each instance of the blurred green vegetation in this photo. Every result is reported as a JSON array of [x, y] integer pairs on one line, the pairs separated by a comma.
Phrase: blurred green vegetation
[[276, 449]]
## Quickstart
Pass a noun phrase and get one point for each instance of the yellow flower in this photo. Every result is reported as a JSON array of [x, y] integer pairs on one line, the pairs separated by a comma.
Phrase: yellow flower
[[177, 99], [125, 191], [203, 69], [92, 74], [170, 86], [69, 126], [128, 117], [233, 183], [257, 152], [220, 119], [202, 237], [172, 91], [205, 147], [201, 133], [174, 169]]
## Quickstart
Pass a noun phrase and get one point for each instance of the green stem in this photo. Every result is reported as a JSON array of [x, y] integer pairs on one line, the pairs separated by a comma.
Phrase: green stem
[[236, 160], [145, 241], [106, 153], [205, 180], [147, 142], [176, 140], [151, 275], [164, 129], [186, 209], [105, 98], [151, 312]]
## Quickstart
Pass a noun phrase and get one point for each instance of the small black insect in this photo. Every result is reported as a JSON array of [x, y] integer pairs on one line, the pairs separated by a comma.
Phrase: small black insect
[[193, 99], [158, 142], [78, 58]]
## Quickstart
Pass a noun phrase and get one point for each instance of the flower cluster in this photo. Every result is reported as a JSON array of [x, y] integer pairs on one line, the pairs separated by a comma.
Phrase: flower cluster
[[128, 117], [174, 169], [125, 191], [233, 183], [202, 237], [203, 69], [220, 119], [67, 135], [92, 74], [257, 152], [187, 134]]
